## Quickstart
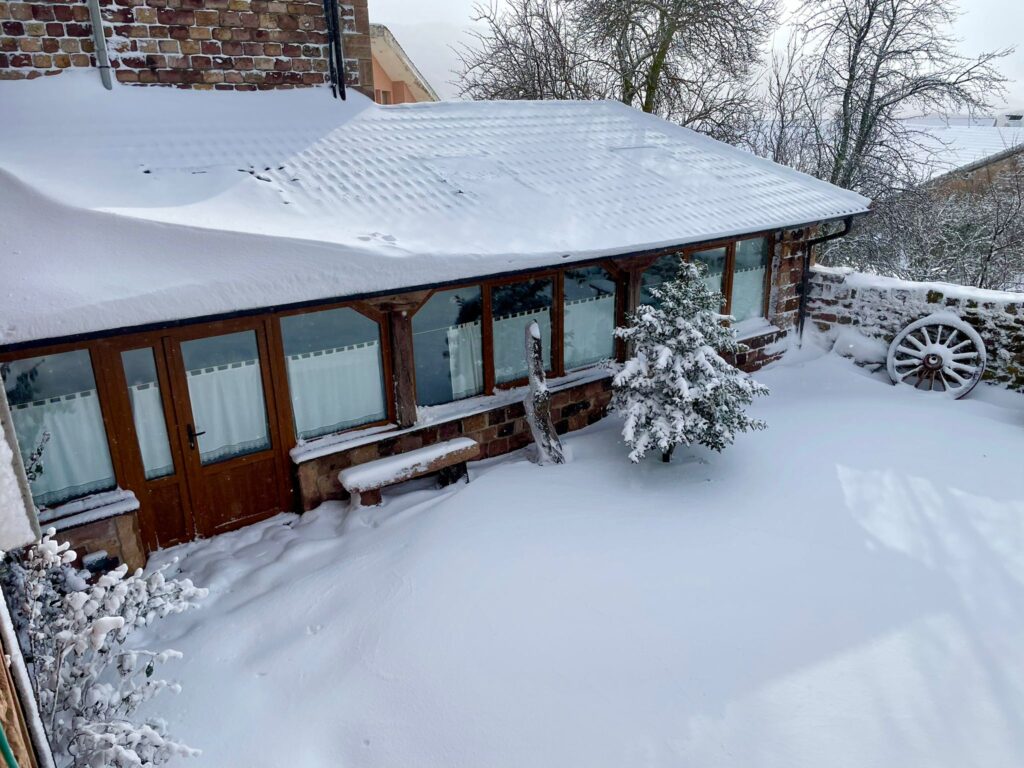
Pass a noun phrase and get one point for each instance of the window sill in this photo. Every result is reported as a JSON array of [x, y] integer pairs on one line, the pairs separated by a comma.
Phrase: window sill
[[88, 509], [434, 415], [755, 326]]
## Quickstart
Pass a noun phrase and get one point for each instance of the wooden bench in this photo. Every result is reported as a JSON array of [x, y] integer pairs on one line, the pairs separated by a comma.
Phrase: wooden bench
[[365, 481]]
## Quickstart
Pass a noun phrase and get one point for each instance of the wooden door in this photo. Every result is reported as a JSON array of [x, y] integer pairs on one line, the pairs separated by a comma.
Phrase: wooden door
[[227, 425], [142, 431]]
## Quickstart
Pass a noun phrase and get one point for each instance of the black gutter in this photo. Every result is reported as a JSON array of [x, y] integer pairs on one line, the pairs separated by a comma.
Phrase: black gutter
[[805, 277], [469, 279]]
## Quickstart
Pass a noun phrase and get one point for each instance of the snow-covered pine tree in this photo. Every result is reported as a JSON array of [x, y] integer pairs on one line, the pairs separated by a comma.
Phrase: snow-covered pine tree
[[676, 388]]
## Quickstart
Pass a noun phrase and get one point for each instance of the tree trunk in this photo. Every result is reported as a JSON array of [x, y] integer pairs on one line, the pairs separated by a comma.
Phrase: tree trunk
[[538, 402], [666, 456]]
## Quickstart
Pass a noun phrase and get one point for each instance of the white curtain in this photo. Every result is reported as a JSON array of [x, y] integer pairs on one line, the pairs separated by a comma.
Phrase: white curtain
[[748, 294], [151, 428], [465, 359], [227, 404], [336, 388], [510, 343], [589, 324], [76, 460]]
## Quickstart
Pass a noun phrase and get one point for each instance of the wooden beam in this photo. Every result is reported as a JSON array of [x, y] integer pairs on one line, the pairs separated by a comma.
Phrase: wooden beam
[[403, 367]]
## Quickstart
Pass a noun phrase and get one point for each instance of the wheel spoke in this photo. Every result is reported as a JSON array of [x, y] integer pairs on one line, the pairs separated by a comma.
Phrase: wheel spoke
[[924, 332], [911, 372], [954, 375], [911, 338], [912, 352]]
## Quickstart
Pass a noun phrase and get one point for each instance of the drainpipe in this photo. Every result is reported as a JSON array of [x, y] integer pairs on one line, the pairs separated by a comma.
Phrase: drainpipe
[[805, 278], [99, 41]]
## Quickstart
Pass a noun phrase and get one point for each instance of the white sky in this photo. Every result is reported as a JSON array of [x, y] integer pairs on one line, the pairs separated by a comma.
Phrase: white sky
[[427, 31]]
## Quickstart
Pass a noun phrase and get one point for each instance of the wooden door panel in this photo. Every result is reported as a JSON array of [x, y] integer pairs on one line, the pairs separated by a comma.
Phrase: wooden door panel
[[169, 516], [239, 493]]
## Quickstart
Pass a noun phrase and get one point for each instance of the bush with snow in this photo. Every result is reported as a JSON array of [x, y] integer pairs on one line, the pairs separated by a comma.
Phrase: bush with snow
[[676, 389], [73, 632]]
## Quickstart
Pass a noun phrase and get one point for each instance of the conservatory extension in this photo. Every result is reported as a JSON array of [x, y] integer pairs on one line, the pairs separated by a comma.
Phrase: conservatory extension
[[202, 348]]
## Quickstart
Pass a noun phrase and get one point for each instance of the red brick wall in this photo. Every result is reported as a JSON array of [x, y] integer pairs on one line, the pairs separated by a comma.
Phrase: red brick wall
[[225, 44]]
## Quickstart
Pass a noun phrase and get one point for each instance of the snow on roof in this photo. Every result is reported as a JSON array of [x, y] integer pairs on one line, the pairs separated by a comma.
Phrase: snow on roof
[[945, 148], [108, 194]]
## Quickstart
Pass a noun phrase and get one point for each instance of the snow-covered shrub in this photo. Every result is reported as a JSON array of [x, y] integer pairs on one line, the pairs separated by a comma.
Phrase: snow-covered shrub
[[73, 632], [676, 388]]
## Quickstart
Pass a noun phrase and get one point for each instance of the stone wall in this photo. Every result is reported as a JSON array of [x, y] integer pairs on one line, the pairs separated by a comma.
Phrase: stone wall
[[880, 307], [224, 44], [499, 430]]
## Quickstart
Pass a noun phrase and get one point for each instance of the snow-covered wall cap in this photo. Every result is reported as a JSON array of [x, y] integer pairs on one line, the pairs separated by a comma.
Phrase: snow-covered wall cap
[[370, 198]]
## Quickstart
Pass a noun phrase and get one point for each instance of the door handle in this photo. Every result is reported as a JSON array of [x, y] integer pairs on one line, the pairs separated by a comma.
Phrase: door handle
[[192, 435]]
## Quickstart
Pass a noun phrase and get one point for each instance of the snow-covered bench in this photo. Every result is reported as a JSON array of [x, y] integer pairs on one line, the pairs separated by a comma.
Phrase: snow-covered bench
[[364, 482]]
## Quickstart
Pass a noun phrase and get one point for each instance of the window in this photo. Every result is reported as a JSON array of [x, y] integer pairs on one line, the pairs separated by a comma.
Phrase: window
[[513, 307], [55, 396], [713, 260], [148, 412], [589, 316], [447, 346], [335, 370], [664, 269], [749, 279], [748, 262]]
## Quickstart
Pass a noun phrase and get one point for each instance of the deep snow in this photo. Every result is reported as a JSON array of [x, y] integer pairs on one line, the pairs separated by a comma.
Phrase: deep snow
[[175, 204], [843, 589]]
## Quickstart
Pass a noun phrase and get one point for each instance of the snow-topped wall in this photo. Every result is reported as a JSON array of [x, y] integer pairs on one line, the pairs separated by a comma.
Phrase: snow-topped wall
[[879, 307], [224, 44]]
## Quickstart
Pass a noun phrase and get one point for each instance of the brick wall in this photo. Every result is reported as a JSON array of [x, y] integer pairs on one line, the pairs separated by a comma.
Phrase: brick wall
[[881, 307], [224, 44], [500, 430]]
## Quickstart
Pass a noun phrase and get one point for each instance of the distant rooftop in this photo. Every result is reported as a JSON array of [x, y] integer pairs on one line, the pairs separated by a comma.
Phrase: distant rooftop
[[945, 148]]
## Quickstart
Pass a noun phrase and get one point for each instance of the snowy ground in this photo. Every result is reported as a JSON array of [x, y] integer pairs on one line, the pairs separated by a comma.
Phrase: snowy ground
[[844, 589]]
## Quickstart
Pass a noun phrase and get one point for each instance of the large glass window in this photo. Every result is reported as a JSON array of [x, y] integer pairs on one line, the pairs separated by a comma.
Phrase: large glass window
[[664, 269], [589, 316], [447, 346], [714, 265], [56, 412], [748, 279], [148, 412], [225, 389], [513, 307], [335, 370]]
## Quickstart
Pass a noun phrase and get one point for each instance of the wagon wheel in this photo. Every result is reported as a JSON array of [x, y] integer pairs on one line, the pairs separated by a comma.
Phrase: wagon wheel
[[939, 353]]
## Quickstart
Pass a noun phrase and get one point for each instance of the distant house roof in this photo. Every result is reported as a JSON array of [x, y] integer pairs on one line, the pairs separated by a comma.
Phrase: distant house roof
[[943, 149], [392, 58], [145, 205]]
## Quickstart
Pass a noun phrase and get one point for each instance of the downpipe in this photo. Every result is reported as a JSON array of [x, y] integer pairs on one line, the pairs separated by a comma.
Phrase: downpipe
[[805, 277], [99, 42]]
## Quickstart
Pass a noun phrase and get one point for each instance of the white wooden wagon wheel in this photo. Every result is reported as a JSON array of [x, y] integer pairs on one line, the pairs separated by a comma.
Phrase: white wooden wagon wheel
[[938, 353]]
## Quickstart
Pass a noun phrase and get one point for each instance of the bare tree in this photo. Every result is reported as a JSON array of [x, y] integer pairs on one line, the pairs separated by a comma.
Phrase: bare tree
[[692, 61], [866, 64], [530, 49], [970, 233]]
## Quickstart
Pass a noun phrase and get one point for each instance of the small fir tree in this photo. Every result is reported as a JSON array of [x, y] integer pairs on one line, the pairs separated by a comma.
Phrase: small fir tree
[[676, 388]]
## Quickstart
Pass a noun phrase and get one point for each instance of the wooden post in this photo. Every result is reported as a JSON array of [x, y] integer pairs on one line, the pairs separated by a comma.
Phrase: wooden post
[[400, 308], [402, 367]]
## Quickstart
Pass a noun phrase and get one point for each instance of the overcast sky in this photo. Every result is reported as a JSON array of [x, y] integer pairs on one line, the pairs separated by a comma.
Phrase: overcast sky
[[427, 31]]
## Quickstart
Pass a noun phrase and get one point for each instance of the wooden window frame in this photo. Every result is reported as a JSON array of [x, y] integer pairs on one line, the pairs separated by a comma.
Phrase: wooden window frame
[[557, 292], [728, 275], [279, 361]]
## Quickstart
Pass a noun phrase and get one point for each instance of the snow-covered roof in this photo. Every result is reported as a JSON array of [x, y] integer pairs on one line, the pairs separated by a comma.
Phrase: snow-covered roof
[[146, 205], [945, 148]]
